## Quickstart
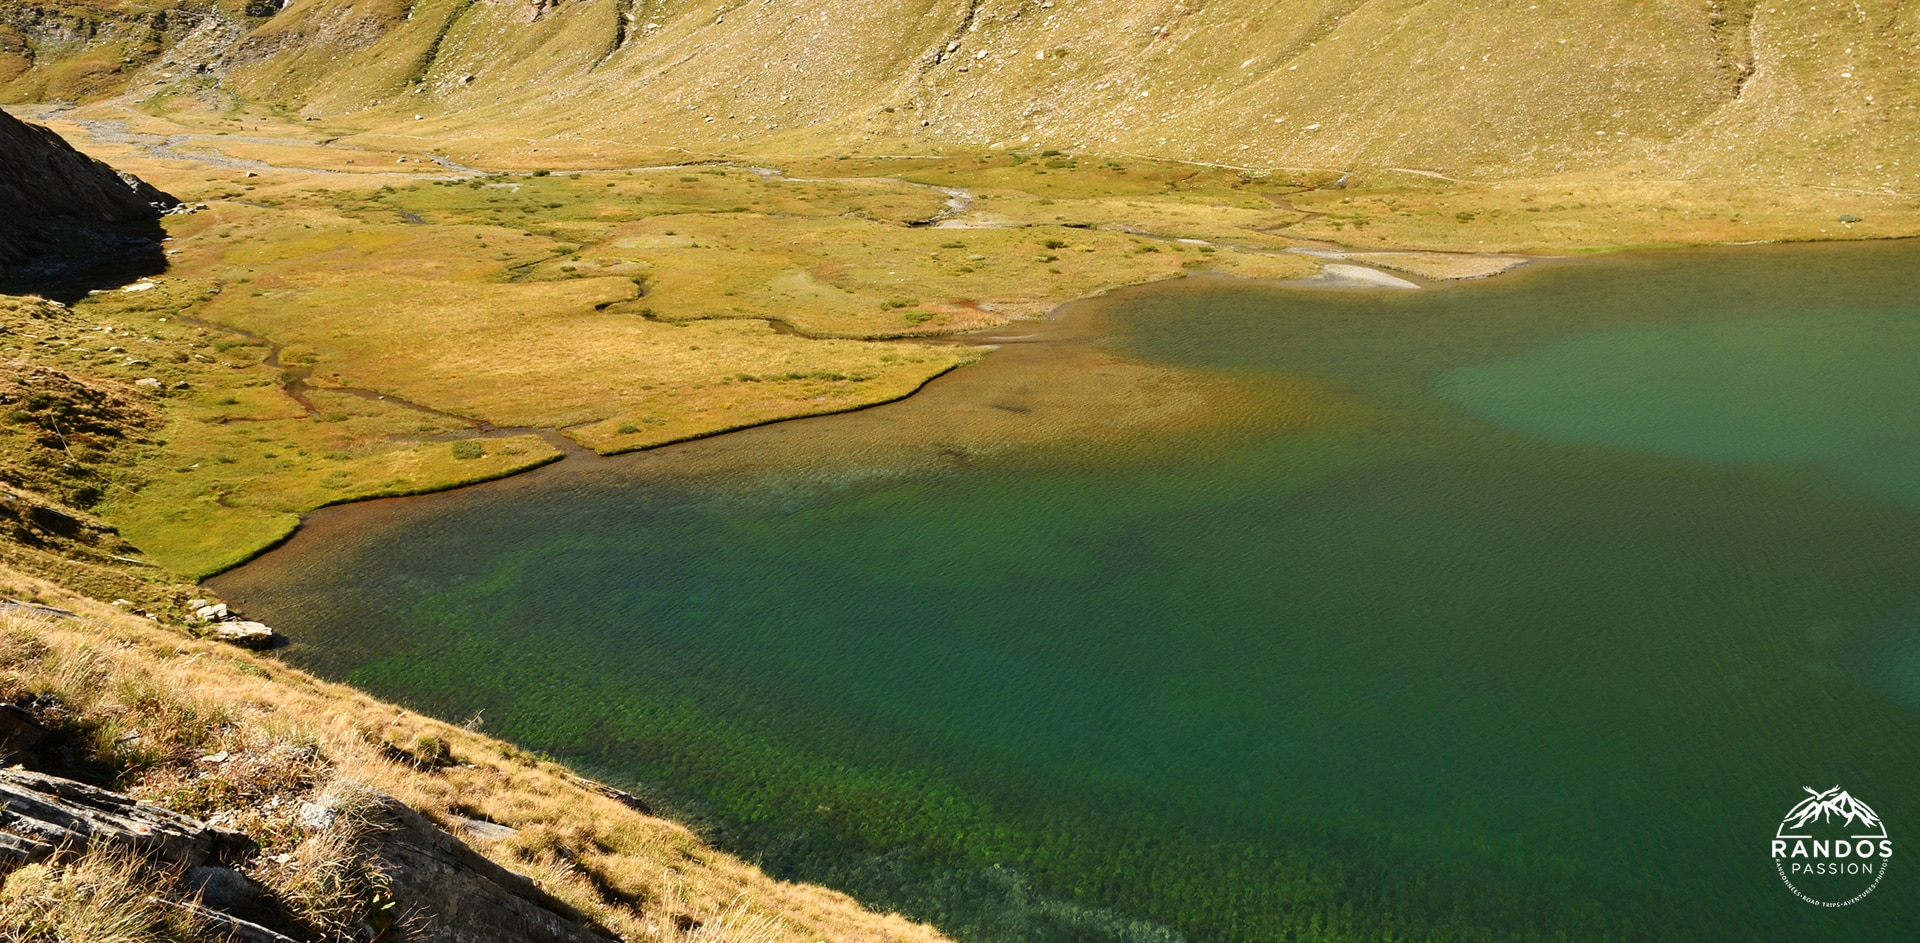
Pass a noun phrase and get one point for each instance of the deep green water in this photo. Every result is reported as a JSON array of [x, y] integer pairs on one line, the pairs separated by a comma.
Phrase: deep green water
[[1605, 563]]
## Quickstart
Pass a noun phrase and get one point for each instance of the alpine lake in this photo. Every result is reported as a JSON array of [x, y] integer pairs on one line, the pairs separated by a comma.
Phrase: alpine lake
[[1520, 609]]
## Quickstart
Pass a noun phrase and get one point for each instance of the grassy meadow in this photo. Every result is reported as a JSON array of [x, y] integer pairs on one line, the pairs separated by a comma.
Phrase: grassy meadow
[[417, 302]]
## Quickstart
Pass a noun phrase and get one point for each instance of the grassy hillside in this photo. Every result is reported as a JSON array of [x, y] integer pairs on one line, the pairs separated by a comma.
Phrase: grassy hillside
[[1708, 89], [220, 734], [1734, 89]]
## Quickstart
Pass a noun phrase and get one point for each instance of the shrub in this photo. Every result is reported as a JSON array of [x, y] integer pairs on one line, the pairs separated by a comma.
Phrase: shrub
[[468, 449]]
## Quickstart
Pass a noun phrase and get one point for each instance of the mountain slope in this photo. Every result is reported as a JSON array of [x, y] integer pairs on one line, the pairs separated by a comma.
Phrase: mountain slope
[[1728, 89], [1459, 88]]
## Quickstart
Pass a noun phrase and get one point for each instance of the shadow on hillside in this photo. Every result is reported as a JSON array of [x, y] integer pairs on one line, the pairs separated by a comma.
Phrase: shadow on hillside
[[89, 257]]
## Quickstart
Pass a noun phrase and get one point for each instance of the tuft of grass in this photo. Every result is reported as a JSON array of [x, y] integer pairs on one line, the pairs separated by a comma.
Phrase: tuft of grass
[[101, 896], [329, 881]]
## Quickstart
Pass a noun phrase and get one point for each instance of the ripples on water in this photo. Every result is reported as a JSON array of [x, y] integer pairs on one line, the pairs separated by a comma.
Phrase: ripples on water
[[1516, 610]]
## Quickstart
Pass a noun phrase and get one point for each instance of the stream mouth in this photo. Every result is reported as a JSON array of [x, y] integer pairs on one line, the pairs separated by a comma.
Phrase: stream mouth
[[1223, 611]]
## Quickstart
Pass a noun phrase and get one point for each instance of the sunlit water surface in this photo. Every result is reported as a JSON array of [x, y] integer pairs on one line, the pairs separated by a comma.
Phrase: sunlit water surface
[[1535, 630]]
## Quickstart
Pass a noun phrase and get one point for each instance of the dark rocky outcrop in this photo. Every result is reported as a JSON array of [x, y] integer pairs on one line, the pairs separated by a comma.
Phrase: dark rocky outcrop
[[61, 210], [448, 892], [45, 817], [459, 896], [41, 815]]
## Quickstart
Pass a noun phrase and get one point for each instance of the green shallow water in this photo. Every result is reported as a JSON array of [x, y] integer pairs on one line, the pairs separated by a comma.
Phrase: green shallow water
[[1538, 638]]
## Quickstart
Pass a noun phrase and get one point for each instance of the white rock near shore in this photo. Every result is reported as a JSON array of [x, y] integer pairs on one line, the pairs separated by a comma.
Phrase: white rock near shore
[[226, 626], [245, 634]]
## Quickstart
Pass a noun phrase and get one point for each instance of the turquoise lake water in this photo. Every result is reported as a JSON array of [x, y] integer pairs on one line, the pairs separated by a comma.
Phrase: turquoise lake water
[[1535, 633]]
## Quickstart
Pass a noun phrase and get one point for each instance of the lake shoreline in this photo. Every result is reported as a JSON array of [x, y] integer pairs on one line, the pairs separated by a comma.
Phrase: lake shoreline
[[1387, 662], [1511, 266]]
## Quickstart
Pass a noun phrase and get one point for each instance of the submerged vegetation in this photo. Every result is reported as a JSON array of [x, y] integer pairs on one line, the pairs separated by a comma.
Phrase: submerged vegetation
[[441, 242], [248, 742], [1354, 666]]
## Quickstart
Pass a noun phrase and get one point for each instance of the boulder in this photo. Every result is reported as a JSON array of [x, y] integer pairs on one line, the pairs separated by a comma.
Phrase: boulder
[[483, 829], [41, 814], [245, 634], [227, 927], [457, 895]]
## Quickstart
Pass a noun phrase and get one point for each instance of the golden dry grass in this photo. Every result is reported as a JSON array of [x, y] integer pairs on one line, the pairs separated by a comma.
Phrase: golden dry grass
[[289, 737], [101, 896]]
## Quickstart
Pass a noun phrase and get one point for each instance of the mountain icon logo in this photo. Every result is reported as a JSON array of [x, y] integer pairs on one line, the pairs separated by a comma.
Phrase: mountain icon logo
[[1831, 849], [1833, 804]]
